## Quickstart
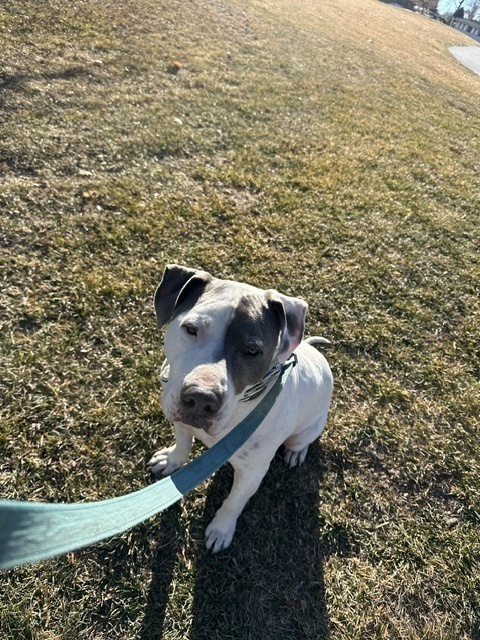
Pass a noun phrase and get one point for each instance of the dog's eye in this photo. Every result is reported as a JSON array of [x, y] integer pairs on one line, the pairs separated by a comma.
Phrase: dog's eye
[[190, 329]]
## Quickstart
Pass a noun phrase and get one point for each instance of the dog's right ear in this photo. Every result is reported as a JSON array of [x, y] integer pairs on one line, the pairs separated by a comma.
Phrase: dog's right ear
[[290, 313], [177, 285]]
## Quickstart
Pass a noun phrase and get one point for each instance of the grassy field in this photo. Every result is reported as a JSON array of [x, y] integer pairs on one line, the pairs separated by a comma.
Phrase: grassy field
[[328, 149]]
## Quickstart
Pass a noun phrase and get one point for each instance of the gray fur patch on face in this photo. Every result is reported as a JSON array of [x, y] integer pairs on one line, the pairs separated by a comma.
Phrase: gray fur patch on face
[[250, 341]]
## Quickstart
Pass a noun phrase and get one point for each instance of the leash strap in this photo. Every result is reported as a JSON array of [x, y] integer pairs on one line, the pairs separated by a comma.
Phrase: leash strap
[[32, 531]]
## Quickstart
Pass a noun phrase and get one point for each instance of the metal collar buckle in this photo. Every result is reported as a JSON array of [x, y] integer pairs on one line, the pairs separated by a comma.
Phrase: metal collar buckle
[[257, 389]]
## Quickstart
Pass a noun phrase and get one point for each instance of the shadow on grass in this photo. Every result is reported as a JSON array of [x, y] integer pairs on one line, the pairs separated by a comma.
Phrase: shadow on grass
[[21, 83], [476, 628], [163, 566], [269, 583]]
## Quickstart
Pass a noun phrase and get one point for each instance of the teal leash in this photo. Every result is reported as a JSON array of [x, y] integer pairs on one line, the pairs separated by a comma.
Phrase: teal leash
[[32, 531]]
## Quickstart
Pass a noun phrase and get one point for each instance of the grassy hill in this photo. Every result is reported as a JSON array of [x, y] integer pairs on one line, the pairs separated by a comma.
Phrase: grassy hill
[[327, 149]]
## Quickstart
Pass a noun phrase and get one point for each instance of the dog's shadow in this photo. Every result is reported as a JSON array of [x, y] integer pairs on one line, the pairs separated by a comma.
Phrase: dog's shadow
[[270, 582]]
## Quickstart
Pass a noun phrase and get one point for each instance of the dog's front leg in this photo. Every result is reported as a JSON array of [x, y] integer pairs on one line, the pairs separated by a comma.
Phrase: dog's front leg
[[166, 461], [219, 532]]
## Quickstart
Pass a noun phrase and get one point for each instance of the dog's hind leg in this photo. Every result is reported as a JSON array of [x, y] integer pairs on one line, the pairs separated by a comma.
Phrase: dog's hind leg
[[296, 446], [295, 458]]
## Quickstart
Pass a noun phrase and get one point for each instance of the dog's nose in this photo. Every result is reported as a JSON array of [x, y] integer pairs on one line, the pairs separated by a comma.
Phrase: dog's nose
[[199, 404]]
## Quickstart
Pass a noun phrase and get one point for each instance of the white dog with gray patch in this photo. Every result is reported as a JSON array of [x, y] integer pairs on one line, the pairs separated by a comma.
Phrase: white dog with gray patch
[[223, 345]]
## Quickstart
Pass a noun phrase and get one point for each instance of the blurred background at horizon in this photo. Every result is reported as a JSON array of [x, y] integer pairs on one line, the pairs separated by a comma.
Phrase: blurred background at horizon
[[448, 7], [445, 8]]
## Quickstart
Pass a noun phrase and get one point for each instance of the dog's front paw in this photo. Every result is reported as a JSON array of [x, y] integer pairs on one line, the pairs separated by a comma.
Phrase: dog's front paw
[[295, 458], [219, 533], [165, 462]]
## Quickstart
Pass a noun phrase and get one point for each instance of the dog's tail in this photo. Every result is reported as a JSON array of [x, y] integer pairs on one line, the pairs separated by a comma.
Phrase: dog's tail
[[318, 341]]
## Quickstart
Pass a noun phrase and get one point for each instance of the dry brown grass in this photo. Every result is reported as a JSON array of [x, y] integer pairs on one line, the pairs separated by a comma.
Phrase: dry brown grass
[[328, 149]]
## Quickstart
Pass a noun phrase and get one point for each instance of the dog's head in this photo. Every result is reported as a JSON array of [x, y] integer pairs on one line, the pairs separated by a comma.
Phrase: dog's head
[[222, 338]]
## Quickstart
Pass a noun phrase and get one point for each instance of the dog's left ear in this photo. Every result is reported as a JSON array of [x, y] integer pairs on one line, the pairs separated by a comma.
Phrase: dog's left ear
[[177, 284], [290, 314]]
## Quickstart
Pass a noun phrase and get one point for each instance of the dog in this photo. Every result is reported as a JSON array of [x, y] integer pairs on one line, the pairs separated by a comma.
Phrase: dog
[[222, 342]]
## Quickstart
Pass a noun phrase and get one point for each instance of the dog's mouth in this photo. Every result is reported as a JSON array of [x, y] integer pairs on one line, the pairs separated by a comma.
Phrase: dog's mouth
[[205, 425]]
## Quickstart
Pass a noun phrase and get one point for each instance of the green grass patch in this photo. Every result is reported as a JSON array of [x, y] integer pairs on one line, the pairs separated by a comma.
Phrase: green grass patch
[[330, 150]]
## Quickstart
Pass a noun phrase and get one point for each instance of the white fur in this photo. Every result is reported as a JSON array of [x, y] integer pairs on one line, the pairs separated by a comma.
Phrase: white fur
[[297, 418]]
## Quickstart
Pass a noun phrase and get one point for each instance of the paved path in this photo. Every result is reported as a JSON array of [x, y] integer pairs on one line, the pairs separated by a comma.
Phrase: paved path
[[469, 56]]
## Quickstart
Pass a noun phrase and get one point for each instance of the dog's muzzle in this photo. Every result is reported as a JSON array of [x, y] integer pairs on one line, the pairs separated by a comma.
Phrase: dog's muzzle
[[200, 405], [201, 398]]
